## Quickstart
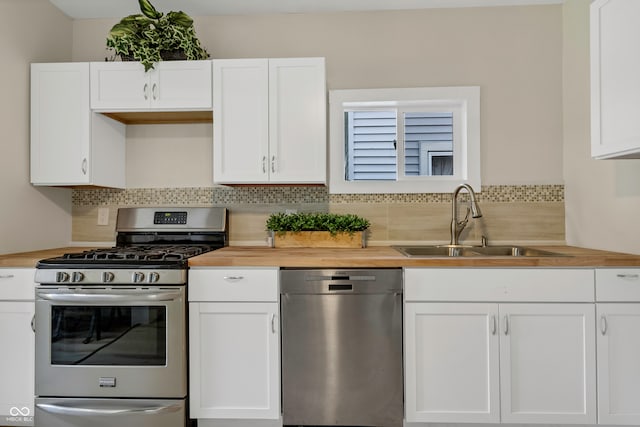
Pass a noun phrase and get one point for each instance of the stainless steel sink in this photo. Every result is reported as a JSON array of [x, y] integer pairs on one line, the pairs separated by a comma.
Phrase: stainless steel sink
[[471, 251]]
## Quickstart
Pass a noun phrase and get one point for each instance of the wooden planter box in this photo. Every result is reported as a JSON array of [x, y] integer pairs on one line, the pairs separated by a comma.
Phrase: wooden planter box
[[318, 239]]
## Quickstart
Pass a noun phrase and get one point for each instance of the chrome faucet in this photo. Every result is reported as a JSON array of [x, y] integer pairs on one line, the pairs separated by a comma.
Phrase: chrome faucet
[[473, 208]]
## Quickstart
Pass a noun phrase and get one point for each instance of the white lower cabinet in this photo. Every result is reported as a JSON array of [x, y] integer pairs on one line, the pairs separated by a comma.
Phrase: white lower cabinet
[[547, 363], [618, 335], [451, 363], [234, 343], [510, 360], [17, 308]]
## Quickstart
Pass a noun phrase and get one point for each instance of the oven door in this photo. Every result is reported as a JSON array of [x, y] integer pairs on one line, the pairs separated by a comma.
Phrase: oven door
[[95, 341], [66, 412]]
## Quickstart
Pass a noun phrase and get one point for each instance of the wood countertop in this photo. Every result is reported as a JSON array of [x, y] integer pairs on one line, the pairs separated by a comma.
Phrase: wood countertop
[[385, 256], [29, 259], [371, 257]]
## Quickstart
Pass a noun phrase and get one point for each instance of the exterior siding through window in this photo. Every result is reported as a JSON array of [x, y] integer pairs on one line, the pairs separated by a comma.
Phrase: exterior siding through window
[[372, 144]]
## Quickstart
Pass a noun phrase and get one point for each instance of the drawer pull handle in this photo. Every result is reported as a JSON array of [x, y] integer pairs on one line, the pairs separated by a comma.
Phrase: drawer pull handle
[[273, 323], [493, 325], [628, 276], [33, 323], [7, 276], [506, 325], [232, 278], [603, 325]]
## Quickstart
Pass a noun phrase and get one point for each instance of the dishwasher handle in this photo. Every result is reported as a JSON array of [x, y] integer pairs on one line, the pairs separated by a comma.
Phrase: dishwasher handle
[[340, 281], [342, 287]]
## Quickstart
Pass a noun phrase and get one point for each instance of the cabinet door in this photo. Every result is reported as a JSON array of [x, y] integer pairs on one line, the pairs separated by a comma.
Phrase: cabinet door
[[241, 121], [60, 124], [181, 85], [17, 367], [297, 120], [234, 360], [119, 86], [547, 363], [451, 363], [619, 364], [615, 79]]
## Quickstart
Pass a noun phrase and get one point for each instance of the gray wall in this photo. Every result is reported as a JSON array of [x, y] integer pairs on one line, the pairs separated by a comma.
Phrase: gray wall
[[30, 217]]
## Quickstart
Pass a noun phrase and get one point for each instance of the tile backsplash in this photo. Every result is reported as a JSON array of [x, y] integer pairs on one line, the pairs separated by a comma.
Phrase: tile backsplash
[[513, 213]]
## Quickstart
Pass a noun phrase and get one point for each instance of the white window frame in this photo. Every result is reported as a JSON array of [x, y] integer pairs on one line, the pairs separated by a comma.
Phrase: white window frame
[[464, 101]]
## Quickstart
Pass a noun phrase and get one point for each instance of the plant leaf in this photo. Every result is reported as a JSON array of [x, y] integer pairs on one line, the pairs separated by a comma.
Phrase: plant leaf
[[180, 18], [148, 10]]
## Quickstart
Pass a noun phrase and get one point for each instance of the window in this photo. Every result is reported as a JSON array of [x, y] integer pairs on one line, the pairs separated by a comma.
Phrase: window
[[416, 140]]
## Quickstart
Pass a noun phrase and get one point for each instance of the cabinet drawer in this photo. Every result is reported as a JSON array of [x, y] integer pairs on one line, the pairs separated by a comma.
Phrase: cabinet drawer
[[238, 284], [499, 285], [618, 284], [17, 284]]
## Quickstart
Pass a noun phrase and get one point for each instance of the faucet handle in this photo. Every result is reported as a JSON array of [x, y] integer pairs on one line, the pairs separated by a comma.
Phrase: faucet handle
[[483, 241]]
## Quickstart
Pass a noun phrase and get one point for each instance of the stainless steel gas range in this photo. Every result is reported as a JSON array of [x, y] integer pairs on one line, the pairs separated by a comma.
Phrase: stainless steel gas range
[[111, 332]]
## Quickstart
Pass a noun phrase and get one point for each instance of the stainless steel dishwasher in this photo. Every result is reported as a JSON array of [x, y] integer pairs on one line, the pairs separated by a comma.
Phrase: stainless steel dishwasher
[[342, 347]]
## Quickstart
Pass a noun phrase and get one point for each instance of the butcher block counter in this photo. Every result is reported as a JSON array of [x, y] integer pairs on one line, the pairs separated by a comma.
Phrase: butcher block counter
[[374, 256], [385, 256], [29, 259]]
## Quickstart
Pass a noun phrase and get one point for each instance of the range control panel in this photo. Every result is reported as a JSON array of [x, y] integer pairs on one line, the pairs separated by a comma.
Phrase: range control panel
[[171, 218]]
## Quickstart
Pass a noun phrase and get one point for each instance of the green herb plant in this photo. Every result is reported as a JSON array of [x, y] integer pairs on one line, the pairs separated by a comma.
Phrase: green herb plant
[[145, 37], [303, 221]]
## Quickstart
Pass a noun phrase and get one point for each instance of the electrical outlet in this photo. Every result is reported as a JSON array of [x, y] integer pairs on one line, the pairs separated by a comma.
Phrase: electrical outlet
[[103, 216], [290, 211]]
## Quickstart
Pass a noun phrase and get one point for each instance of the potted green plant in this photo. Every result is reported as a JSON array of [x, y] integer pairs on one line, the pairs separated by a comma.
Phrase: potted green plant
[[317, 230], [153, 36]]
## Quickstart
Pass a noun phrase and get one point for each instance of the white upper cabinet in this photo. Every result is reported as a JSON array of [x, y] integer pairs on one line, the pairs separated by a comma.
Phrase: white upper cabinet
[[71, 145], [270, 121], [169, 86], [615, 79]]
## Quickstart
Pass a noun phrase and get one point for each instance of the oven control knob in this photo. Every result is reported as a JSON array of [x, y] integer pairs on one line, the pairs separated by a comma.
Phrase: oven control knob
[[61, 276], [77, 277], [153, 277], [137, 277], [107, 277]]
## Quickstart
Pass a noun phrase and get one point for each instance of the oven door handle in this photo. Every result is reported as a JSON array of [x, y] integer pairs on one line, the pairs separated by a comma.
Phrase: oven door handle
[[166, 295], [62, 409]]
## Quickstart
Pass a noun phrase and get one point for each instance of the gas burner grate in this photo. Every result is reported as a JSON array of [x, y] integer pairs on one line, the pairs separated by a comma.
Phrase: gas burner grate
[[140, 253]]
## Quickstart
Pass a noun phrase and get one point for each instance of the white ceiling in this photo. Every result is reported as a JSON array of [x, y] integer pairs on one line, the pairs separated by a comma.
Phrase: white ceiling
[[85, 9]]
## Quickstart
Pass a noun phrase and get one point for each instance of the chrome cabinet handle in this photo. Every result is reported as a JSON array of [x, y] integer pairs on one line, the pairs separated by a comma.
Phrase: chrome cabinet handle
[[233, 278], [273, 323], [84, 166], [6, 276], [264, 164], [603, 325], [628, 276], [154, 91], [145, 91], [506, 325], [273, 164], [33, 323], [494, 327]]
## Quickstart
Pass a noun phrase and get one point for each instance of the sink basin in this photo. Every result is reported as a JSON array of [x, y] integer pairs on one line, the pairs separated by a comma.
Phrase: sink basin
[[470, 251]]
